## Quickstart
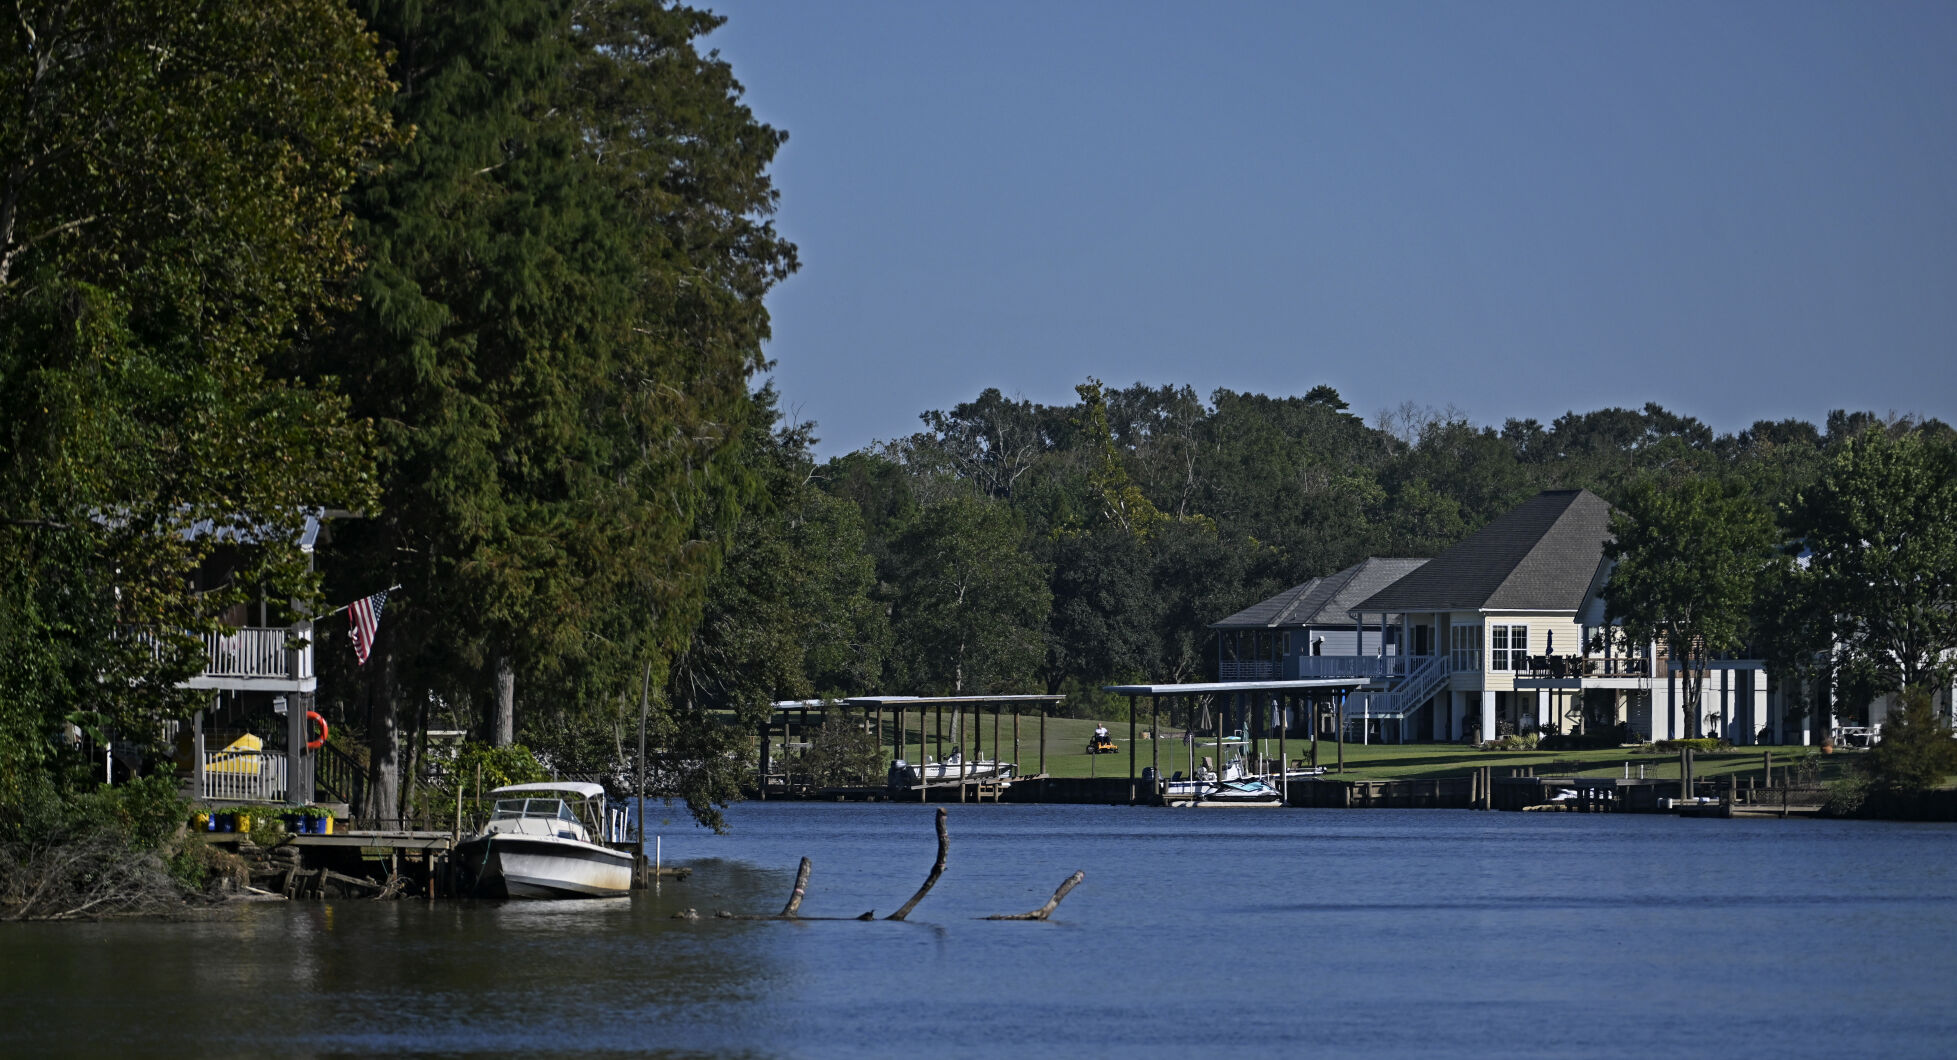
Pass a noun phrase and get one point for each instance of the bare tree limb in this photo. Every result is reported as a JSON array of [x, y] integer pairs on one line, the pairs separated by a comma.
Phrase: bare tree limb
[[937, 870], [801, 887], [1051, 904]]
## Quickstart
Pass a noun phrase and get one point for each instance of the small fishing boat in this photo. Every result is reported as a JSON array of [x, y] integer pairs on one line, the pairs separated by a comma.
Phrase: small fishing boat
[[952, 770], [538, 844]]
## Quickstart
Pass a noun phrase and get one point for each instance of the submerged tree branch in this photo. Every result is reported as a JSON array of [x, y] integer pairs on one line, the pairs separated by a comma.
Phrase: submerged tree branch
[[937, 870]]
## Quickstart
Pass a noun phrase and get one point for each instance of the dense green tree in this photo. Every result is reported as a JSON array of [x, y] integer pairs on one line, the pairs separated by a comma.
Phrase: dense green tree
[[558, 323], [1690, 556], [1103, 603], [1916, 751], [968, 604], [1881, 530], [171, 174]]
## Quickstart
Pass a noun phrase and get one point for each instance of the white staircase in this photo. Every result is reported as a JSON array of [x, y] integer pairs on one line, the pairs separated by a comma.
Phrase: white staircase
[[1405, 695]]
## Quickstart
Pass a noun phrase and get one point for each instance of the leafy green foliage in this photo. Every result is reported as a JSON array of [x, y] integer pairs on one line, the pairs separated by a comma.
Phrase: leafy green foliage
[[1916, 752], [171, 175], [1881, 526], [556, 333], [1690, 556], [842, 752], [969, 606]]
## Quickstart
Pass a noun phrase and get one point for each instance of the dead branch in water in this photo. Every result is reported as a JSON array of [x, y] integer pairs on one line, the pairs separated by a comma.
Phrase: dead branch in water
[[801, 888], [791, 911], [1051, 904], [937, 870]]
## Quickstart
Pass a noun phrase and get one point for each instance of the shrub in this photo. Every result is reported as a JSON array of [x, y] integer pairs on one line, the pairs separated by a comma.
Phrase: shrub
[[841, 752], [1584, 742], [112, 851], [1703, 743]]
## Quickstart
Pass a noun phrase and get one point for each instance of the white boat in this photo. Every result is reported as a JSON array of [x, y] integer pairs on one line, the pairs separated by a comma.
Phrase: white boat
[[952, 770], [1252, 792], [1237, 785], [537, 844]]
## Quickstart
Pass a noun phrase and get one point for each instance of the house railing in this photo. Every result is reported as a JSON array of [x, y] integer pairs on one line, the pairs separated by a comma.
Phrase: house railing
[[1576, 666], [256, 651], [1247, 670], [1430, 673], [1378, 667], [246, 652], [244, 776]]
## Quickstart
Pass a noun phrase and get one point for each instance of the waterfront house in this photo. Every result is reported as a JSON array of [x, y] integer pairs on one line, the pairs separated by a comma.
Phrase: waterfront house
[[1507, 634], [1276, 639], [249, 743]]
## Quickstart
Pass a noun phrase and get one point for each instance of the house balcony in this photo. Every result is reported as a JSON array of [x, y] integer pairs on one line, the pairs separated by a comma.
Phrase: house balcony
[[1300, 667], [1581, 671], [254, 659]]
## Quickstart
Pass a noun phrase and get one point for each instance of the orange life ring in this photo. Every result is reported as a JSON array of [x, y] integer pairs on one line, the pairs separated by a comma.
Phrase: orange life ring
[[314, 745]]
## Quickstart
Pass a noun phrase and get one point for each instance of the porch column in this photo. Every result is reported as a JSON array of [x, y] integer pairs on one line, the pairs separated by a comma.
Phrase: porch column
[[1542, 709], [1487, 714], [1672, 706], [197, 754]]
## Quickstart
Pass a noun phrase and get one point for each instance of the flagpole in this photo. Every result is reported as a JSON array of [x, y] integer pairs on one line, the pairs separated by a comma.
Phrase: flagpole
[[350, 603]]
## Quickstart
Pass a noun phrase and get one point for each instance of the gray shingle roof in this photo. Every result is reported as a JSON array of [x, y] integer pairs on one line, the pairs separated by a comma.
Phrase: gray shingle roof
[[1321, 601], [1541, 556]]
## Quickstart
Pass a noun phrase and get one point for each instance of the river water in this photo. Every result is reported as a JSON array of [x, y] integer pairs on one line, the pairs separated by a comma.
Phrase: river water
[[1196, 933]]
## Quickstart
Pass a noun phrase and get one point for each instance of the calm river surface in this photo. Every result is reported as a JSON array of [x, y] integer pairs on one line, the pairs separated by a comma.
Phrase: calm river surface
[[1196, 933]]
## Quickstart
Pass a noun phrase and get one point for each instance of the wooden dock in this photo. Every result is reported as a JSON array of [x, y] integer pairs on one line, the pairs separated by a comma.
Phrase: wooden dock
[[369, 863]]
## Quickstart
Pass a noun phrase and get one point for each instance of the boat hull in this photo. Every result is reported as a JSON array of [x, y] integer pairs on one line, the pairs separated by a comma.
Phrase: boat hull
[[518, 866]]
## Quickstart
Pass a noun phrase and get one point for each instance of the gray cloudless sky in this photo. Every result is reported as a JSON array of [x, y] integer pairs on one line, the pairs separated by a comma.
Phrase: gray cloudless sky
[[1741, 211]]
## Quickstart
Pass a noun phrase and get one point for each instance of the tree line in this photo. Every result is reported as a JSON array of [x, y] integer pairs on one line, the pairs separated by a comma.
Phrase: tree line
[[1019, 546], [487, 285]]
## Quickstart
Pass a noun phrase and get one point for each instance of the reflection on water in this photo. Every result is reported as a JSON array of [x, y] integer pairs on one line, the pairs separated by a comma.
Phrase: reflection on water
[[1343, 932]]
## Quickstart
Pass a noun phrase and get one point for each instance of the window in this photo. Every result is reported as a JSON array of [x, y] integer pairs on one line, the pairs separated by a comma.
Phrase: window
[[1284, 643], [1508, 647], [1464, 644]]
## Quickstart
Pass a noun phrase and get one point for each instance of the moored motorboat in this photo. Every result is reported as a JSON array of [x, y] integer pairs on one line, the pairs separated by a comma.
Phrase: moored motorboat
[[538, 844], [1252, 792], [953, 770]]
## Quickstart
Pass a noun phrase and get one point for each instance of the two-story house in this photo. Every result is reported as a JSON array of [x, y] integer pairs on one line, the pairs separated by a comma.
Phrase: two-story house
[[1511, 622]]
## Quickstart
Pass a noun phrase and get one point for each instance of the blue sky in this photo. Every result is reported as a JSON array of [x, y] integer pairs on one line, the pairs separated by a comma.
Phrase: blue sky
[[1739, 210]]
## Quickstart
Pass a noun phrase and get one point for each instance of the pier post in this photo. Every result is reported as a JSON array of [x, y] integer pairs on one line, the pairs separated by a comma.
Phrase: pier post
[[1314, 725], [1767, 768], [1283, 759], [1341, 732], [1131, 751], [1015, 740], [1155, 742], [1044, 708]]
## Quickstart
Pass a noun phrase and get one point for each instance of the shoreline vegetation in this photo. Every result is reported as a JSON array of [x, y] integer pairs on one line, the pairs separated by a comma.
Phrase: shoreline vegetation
[[468, 321]]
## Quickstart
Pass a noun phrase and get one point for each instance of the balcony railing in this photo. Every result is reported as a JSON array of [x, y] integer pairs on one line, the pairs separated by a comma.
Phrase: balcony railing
[[247, 652], [1377, 667], [256, 651], [1246, 670], [1575, 666]]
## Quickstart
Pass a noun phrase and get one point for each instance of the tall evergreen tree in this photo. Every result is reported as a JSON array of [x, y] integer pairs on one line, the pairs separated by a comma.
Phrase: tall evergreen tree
[[561, 313]]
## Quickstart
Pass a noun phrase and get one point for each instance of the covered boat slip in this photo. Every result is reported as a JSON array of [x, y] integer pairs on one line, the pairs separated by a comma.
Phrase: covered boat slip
[[951, 743], [1267, 708]]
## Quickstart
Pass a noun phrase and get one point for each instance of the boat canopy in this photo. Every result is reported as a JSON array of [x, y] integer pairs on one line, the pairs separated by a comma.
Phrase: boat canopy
[[584, 789]]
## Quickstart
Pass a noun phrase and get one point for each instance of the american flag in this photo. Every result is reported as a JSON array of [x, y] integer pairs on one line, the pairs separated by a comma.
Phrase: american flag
[[365, 614]]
